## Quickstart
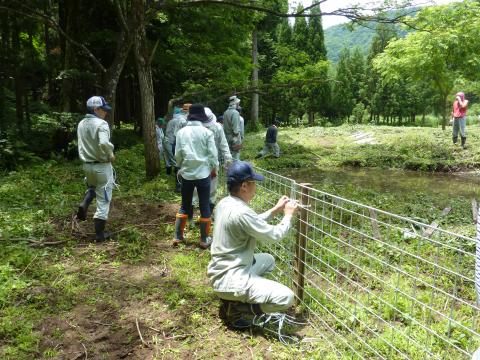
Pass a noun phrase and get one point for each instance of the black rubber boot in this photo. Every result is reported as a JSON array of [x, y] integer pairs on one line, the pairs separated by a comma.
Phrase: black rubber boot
[[100, 233], [83, 207], [464, 140], [455, 139], [238, 315], [169, 170]]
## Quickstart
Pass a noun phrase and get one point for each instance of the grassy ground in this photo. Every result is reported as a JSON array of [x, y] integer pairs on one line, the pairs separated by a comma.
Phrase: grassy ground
[[63, 297], [414, 148]]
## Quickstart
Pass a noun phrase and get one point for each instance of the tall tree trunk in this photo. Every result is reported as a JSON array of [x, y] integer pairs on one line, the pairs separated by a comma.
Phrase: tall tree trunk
[[144, 69], [48, 48], [254, 113], [311, 118], [18, 77], [67, 93], [112, 76], [445, 111]]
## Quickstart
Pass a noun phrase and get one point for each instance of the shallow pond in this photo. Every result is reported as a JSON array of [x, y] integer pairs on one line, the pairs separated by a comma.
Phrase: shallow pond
[[391, 181], [398, 188]]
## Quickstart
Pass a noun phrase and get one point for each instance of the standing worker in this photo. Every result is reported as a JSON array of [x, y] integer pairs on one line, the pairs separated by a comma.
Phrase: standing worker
[[178, 121], [459, 115], [96, 152], [161, 140], [232, 127], [196, 156], [270, 142], [170, 140], [223, 155]]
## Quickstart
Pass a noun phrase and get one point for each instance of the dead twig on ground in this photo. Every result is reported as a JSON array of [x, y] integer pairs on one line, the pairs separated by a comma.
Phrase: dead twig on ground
[[140, 334], [180, 336], [251, 352], [34, 242], [86, 352], [30, 263]]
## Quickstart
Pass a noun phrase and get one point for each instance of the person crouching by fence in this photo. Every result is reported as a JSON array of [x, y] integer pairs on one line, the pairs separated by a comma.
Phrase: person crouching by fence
[[234, 271], [96, 152], [270, 142], [196, 157]]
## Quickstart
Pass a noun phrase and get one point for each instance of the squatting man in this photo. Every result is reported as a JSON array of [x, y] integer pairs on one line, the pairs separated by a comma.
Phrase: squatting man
[[235, 272]]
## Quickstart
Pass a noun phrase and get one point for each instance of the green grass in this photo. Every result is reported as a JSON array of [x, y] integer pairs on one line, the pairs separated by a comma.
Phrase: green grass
[[50, 297], [414, 148]]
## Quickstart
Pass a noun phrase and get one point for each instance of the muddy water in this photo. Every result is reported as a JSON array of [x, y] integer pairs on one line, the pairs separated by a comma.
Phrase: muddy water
[[392, 181]]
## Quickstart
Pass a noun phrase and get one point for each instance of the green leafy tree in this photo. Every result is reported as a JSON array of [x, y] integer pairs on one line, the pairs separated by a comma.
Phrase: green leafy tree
[[448, 46], [342, 98]]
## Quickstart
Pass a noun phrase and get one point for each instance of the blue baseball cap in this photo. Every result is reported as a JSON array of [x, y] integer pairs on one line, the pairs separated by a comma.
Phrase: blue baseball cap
[[98, 102], [241, 171]]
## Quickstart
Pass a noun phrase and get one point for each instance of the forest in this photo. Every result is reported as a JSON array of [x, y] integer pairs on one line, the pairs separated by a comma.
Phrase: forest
[[368, 123]]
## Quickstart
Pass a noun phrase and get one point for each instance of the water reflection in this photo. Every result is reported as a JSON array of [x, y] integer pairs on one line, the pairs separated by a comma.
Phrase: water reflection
[[392, 181]]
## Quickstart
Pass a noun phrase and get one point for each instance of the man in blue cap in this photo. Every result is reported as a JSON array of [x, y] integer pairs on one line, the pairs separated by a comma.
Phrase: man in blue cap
[[234, 270], [96, 152]]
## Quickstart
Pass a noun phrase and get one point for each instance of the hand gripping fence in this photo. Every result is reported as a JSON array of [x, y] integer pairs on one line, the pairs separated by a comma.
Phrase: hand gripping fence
[[375, 285]]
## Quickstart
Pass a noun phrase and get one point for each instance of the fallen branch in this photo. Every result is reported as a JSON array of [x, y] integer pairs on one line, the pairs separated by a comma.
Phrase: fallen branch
[[45, 243]]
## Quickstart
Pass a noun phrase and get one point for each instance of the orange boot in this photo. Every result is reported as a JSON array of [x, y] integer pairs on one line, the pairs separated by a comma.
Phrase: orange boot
[[205, 239], [180, 222]]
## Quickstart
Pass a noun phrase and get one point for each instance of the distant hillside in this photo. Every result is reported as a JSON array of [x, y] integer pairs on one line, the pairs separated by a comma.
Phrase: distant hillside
[[339, 36]]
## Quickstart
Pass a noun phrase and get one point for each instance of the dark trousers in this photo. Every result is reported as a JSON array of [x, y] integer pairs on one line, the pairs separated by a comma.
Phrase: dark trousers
[[203, 190]]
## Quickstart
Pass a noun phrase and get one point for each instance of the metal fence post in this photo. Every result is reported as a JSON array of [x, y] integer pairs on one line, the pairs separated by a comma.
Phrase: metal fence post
[[301, 243]]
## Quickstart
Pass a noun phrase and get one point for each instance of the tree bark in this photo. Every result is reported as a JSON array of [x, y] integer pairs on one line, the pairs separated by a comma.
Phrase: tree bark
[[445, 111], [255, 100], [311, 118], [114, 71], [71, 16], [144, 69], [18, 77]]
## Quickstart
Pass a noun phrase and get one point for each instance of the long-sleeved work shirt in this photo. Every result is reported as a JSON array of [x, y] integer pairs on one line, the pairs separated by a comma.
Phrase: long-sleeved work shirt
[[223, 151], [174, 125], [236, 232], [232, 126], [94, 140], [160, 138], [195, 152]]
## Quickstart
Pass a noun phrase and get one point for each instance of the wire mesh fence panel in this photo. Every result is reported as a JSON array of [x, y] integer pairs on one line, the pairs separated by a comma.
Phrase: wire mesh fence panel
[[376, 284]]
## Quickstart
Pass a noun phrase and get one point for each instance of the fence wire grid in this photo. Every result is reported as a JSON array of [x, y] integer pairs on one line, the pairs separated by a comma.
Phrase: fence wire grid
[[375, 285]]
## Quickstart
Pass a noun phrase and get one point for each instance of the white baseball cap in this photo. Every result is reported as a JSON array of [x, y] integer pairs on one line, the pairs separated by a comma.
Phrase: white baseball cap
[[98, 102]]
